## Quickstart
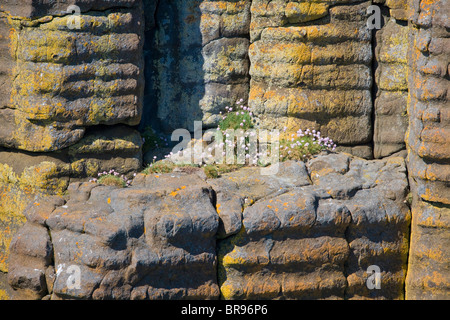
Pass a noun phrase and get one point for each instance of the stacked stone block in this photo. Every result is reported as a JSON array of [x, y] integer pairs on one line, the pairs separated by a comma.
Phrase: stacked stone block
[[153, 241]]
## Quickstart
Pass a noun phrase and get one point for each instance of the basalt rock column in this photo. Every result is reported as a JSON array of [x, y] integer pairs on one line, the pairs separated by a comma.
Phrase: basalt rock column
[[311, 68], [71, 87], [310, 231], [62, 80], [428, 140], [391, 80]]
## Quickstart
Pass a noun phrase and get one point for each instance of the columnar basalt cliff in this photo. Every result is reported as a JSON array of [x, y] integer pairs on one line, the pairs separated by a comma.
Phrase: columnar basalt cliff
[[80, 80]]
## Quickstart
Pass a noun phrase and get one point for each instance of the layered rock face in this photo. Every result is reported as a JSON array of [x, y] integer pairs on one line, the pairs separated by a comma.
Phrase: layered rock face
[[61, 80], [429, 154], [316, 239], [297, 64], [312, 233], [155, 241], [73, 91], [65, 74], [311, 68]]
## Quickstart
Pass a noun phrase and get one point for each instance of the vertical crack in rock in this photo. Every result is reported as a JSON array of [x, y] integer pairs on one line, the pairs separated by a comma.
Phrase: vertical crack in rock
[[346, 263]]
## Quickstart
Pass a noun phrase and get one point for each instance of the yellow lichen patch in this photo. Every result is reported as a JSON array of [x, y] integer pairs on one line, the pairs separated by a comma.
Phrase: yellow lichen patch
[[282, 52], [17, 191], [232, 259], [227, 62], [14, 38], [13, 201], [435, 280], [227, 291], [3, 295], [44, 177], [100, 111], [42, 139], [305, 11], [7, 174]]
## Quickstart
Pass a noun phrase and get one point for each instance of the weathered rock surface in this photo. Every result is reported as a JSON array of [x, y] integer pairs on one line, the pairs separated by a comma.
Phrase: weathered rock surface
[[59, 80], [198, 60], [238, 190], [310, 68], [153, 241], [391, 120], [428, 141], [60, 84], [318, 240], [310, 231], [26, 175], [31, 9], [69, 96]]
